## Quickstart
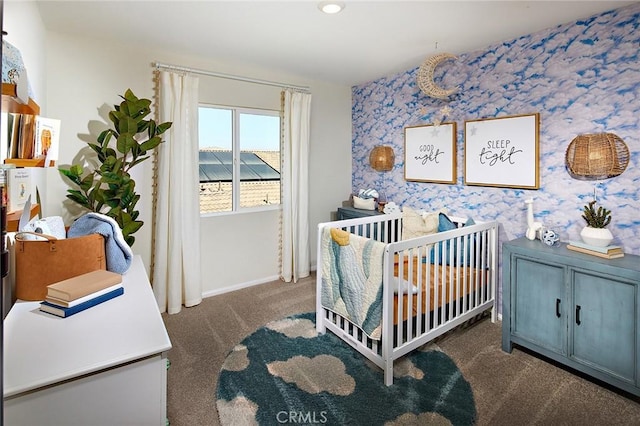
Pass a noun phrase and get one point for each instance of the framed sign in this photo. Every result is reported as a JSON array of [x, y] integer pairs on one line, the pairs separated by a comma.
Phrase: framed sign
[[430, 153], [502, 152]]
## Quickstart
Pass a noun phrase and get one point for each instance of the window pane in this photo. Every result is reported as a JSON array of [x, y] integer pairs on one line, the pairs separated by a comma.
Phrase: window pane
[[259, 137], [215, 130], [257, 134]]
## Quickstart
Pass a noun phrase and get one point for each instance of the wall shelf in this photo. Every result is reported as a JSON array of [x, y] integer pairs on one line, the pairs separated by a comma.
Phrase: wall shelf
[[27, 162], [11, 103]]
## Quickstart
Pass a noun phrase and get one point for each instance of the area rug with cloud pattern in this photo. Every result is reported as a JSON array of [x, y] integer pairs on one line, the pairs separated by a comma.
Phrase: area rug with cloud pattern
[[286, 373]]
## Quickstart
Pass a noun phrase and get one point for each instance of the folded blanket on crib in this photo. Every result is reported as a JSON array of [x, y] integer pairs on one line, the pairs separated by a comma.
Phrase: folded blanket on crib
[[352, 278]]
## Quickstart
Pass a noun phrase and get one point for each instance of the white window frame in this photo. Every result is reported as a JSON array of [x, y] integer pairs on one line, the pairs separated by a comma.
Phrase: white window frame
[[235, 149]]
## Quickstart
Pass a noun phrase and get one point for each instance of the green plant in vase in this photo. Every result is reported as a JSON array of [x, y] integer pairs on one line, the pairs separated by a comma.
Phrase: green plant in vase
[[596, 233], [109, 189]]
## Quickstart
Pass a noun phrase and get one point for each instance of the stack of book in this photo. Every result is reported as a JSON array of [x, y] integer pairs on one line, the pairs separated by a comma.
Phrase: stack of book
[[76, 294], [25, 138], [608, 252]]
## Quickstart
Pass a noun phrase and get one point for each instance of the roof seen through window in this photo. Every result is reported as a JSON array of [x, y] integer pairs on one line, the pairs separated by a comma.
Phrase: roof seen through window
[[217, 166]]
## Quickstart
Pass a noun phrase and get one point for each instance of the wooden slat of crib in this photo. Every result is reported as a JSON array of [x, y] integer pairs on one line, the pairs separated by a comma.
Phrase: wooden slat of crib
[[466, 267], [477, 279], [422, 253], [459, 273], [473, 278], [427, 290], [452, 262], [436, 287], [477, 276], [482, 277], [400, 308], [410, 275]]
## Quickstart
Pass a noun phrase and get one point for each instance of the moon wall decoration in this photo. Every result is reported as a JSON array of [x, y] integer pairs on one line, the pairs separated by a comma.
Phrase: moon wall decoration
[[425, 76]]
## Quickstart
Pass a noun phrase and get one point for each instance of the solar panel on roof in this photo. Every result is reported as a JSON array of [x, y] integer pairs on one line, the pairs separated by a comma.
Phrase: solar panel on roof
[[217, 166]]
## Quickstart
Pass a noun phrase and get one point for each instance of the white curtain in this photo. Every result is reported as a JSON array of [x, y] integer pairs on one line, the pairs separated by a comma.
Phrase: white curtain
[[295, 185], [176, 271]]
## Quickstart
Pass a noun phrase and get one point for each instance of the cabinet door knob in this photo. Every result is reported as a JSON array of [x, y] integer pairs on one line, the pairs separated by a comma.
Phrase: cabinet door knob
[[578, 314], [558, 308]]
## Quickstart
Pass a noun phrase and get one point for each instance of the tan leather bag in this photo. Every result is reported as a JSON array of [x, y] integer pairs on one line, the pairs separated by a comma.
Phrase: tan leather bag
[[40, 263]]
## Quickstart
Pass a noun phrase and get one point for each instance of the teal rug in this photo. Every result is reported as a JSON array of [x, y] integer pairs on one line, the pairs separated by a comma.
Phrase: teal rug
[[285, 373]]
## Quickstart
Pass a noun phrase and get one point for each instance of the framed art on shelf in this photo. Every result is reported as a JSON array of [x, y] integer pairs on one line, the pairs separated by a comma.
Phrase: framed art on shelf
[[502, 152], [430, 153]]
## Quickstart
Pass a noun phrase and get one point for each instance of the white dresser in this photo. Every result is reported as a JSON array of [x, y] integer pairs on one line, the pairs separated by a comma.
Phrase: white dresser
[[103, 366]]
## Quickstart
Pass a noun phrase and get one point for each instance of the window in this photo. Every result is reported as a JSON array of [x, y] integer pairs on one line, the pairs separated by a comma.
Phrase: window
[[239, 159]]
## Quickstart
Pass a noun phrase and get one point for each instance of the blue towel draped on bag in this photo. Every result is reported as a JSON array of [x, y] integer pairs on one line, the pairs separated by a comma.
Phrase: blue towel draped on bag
[[117, 251]]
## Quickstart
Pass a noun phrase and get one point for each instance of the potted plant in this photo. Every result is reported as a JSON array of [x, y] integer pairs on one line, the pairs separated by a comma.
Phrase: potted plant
[[596, 233], [109, 188]]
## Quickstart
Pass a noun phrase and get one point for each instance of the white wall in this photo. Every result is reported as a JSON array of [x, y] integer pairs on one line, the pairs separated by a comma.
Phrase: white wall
[[26, 32], [84, 78]]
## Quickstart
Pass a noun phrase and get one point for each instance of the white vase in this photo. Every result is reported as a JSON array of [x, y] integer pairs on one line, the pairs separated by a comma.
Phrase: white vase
[[599, 237]]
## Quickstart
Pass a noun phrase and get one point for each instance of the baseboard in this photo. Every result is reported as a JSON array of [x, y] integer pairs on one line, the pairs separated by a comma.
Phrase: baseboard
[[240, 286]]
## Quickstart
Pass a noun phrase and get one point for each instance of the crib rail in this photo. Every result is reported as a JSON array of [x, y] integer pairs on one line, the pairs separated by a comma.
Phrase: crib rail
[[454, 274]]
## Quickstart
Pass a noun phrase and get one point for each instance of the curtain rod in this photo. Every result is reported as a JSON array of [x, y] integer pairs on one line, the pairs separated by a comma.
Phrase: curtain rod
[[230, 76]]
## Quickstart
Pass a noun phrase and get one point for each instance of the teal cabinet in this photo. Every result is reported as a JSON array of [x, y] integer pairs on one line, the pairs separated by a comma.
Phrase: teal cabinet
[[604, 324], [537, 313], [574, 308]]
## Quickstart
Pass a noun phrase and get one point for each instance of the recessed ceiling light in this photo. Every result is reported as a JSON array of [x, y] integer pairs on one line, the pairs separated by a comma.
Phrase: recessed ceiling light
[[331, 7]]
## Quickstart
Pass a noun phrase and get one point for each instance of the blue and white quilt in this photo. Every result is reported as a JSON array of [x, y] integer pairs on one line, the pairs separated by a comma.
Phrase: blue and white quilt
[[352, 278]]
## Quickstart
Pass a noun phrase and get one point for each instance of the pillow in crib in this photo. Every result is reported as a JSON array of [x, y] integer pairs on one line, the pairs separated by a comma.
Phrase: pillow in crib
[[416, 224], [446, 224]]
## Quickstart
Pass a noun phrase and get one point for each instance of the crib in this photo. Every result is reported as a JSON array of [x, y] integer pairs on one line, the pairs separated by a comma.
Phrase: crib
[[454, 279]]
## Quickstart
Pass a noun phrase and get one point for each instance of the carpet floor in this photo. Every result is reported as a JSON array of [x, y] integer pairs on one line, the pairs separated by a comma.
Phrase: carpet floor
[[509, 389]]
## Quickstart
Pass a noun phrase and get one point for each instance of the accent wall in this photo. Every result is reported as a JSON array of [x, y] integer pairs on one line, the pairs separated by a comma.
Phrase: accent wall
[[582, 77]]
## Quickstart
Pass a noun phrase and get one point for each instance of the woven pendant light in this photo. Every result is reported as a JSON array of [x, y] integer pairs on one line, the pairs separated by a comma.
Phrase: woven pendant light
[[382, 158], [596, 156]]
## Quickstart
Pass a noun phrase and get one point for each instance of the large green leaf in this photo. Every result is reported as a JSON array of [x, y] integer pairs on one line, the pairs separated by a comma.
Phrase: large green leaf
[[77, 197], [87, 182], [71, 174], [128, 125], [151, 143], [124, 143], [132, 226], [163, 127]]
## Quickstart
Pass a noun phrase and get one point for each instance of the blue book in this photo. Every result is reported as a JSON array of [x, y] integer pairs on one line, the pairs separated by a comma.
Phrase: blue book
[[60, 311]]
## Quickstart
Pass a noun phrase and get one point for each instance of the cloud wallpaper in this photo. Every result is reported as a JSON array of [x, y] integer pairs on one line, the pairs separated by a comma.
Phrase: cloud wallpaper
[[582, 77]]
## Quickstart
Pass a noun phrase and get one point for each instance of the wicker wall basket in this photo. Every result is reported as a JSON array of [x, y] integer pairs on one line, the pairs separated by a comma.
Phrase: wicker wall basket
[[596, 156]]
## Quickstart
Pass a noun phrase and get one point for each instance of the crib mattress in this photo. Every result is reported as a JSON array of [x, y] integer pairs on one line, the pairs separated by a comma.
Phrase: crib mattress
[[445, 283]]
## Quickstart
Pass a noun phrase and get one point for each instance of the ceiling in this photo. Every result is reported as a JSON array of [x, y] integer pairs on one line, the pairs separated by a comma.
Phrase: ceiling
[[366, 41]]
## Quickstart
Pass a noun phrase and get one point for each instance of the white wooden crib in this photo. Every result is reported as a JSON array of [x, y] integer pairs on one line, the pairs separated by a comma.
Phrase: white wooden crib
[[456, 268]]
